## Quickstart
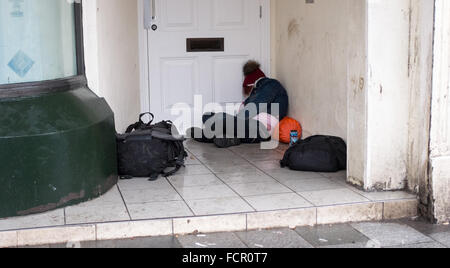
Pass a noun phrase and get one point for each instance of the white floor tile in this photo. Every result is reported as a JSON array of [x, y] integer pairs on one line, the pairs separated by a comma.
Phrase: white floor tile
[[263, 188], [264, 155], [317, 184], [194, 170], [159, 210], [218, 206], [110, 198], [267, 165], [339, 175], [228, 158], [386, 196], [96, 214], [333, 197], [287, 174], [206, 192], [52, 218], [180, 181], [242, 178], [143, 183], [192, 160], [233, 169], [150, 195], [277, 201]]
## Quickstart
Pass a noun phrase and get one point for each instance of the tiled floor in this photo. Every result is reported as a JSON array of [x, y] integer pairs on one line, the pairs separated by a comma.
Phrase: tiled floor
[[242, 179], [405, 233]]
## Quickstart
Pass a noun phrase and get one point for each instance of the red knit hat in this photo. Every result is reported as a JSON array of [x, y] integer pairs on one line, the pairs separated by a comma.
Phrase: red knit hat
[[252, 73]]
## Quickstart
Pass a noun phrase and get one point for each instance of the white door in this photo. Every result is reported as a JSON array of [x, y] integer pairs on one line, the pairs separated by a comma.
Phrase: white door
[[176, 75]]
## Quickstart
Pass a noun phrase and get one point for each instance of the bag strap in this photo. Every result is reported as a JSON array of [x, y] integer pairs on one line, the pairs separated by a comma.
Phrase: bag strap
[[140, 124], [177, 160], [148, 113]]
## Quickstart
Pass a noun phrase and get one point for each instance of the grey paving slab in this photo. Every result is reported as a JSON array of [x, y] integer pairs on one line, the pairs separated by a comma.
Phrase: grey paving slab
[[277, 238], [349, 246], [425, 227], [421, 245], [443, 238], [218, 240], [391, 234], [342, 235]]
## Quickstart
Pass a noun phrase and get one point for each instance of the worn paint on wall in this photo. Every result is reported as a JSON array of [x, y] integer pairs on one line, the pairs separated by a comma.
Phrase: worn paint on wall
[[310, 44], [439, 207], [357, 91], [388, 94], [398, 77], [420, 74]]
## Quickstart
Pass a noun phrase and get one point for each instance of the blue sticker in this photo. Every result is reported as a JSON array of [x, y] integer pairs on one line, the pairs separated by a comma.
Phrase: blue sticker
[[16, 8], [21, 63]]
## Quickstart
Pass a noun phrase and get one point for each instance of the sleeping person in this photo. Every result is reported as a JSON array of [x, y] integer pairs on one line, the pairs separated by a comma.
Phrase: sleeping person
[[266, 104]]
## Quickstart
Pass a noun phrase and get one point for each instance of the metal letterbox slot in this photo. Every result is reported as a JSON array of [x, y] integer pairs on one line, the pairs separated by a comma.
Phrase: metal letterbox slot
[[205, 44]]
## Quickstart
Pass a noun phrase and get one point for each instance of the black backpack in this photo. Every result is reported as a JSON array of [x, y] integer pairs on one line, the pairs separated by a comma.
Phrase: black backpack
[[317, 154], [147, 150]]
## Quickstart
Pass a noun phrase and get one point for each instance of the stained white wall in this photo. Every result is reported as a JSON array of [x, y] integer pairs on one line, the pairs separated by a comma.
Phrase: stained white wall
[[398, 86], [112, 59], [310, 47], [420, 74], [440, 123], [361, 70], [356, 92], [387, 93]]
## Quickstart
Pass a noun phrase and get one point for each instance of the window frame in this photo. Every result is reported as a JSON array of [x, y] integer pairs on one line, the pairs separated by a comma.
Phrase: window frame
[[55, 85]]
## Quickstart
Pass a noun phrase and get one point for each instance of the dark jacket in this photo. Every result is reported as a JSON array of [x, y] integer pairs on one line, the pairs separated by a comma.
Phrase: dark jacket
[[268, 91]]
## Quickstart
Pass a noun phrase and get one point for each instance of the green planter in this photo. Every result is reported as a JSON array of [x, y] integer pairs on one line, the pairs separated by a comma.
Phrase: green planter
[[56, 149]]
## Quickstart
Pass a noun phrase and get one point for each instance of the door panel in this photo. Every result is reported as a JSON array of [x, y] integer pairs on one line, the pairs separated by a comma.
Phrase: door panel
[[178, 15], [179, 81], [176, 75], [228, 77], [230, 14]]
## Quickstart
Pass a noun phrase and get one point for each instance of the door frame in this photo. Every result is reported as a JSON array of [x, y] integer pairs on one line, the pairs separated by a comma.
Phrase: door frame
[[144, 65]]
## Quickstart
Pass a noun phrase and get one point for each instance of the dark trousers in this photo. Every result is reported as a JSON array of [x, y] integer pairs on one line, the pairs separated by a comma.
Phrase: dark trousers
[[223, 125]]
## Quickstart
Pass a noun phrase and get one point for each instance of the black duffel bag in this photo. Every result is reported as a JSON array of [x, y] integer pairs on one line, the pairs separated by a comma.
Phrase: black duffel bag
[[147, 150], [317, 154]]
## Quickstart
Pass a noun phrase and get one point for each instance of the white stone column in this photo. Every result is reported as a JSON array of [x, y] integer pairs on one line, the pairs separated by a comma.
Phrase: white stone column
[[440, 123], [91, 44], [388, 138]]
